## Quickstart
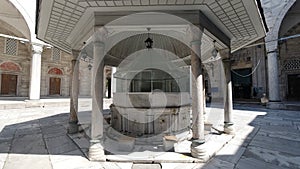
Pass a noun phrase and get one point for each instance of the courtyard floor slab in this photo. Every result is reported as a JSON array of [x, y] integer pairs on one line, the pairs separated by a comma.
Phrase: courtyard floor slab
[[36, 138]]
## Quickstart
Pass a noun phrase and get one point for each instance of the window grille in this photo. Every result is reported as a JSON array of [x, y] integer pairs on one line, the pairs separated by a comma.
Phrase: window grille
[[11, 46], [56, 54], [293, 64]]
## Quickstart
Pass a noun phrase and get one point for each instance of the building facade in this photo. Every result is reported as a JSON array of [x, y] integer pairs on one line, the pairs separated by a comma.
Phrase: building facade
[[15, 67], [249, 65], [255, 72]]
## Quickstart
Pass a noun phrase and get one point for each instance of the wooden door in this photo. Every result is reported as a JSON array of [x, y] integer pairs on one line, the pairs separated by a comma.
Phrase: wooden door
[[9, 84], [54, 86]]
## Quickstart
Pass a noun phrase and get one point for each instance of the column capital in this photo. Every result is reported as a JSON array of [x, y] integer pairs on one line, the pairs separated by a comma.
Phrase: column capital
[[37, 48], [227, 61], [75, 54], [195, 33], [100, 34], [271, 44], [225, 54]]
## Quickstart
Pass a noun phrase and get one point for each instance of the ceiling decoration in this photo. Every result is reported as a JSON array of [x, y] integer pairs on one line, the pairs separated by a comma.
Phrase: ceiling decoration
[[235, 18]]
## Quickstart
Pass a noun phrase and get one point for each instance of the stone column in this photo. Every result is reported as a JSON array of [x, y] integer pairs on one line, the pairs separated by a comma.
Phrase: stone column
[[273, 76], [35, 76], [96, 150], [197, 146], [104, 83], [191, 81], [228, 102], [113, 81], [74, 90]]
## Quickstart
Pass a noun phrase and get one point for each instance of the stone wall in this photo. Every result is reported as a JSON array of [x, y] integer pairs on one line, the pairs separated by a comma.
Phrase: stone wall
[[63, 63], [253, 57], [22, 59], [49, 62], [289, 63], [216, 82]]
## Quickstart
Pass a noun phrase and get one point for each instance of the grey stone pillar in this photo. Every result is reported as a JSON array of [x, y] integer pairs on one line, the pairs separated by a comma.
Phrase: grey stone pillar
[[197, 147], [273, 73], [35, 73], [74, 90], [273, 76], [191, 82], [228, 102], [104, 82], [113, 81], [197, 93], [96, 150]]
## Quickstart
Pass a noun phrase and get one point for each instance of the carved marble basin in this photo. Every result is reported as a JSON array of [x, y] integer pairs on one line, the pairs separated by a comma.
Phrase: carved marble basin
[[138, 114], [152, 99]]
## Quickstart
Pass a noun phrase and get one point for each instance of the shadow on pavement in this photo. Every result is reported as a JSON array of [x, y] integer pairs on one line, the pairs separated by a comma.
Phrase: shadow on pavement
[[42, 136], [264, 139]]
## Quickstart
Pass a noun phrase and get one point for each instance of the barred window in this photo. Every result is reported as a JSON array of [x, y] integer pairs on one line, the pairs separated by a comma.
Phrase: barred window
[[293, 64], [56, 54], [11, 46]]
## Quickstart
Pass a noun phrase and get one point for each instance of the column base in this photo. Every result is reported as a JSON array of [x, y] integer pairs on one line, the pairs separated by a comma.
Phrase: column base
[[73, 127], [96, 151], [199, 150], [275, 105], [229, 129]]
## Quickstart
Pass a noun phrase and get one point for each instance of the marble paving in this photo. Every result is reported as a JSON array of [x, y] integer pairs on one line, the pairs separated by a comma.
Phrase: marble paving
[[36, 138]]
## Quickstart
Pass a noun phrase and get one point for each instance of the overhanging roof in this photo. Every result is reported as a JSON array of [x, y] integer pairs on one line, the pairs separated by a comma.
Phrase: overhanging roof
[[60, 22]]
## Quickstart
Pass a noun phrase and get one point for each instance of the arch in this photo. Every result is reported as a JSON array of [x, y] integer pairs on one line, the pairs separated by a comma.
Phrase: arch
[[110, 35], [274, 33], [291, 20], [10, 66], [123, 26], [185, 33], [160, 42], [21, 18], [55, 71]]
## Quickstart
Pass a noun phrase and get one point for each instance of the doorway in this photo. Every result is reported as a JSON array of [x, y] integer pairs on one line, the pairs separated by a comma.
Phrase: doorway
[[9, 84], [242, 83], [293, 87], [54, 86]]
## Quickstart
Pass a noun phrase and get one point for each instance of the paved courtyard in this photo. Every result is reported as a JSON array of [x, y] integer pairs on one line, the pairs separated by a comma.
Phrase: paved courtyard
[[35, 138]]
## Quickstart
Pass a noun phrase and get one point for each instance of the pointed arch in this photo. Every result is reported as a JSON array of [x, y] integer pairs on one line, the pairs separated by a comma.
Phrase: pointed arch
[[10, 66], [274, 32], [55, 71], [22, 13]]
